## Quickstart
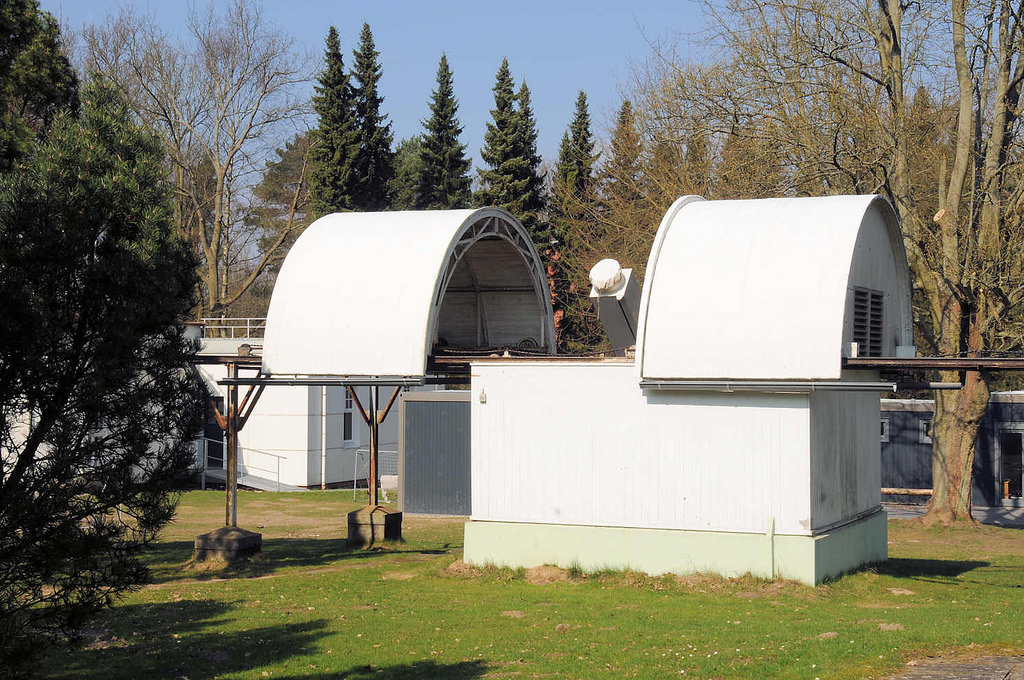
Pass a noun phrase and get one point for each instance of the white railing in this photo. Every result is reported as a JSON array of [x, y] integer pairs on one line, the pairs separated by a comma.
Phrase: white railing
[[234, 327], [203, 454], [245, 468]]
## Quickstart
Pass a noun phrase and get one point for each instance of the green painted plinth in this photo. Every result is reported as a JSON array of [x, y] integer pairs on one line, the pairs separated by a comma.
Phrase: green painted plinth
[[810, 559], [373, 524]]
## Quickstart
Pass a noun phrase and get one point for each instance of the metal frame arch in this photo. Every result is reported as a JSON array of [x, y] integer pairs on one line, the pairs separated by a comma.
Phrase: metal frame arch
[[493, 223]]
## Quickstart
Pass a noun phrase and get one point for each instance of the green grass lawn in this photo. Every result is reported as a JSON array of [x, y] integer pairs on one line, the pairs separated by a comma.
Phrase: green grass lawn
[[309, 607]]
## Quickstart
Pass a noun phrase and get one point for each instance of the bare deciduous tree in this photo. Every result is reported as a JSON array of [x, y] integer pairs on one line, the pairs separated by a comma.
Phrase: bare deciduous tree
[[917, 101], [222, 101]]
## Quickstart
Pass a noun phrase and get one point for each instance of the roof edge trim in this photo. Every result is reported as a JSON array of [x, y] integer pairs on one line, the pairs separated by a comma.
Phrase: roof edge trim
[[652, 265]]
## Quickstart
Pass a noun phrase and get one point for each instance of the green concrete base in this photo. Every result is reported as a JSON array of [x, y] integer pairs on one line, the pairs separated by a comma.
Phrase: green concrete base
[[809, 559]]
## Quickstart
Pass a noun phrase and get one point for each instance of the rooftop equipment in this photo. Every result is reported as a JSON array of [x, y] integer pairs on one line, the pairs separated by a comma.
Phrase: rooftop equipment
[[616, 299]]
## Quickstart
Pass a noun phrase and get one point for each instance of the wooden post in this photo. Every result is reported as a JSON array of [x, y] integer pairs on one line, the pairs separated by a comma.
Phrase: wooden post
[[372, 481], [231, 509]]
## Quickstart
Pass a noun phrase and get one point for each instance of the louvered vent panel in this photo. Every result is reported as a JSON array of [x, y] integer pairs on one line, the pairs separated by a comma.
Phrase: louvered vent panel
[[867, 321]]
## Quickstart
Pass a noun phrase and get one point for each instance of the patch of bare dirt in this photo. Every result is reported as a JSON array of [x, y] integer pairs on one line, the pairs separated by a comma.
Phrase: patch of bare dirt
[[398, 576], [460, 569], [891, 626], [100, 638], [513, 614], [546, 574]]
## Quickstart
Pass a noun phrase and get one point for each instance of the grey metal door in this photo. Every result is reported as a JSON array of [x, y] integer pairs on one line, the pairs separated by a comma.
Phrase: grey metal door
[[434, 443]]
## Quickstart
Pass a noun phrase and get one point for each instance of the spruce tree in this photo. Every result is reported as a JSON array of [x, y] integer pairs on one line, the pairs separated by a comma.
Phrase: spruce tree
[[528, 185], [621, 175], [444, 171], [511, 180], [405, 187], [582, 147], [499, 152], [572, 214], [374, 161], [336, 141]]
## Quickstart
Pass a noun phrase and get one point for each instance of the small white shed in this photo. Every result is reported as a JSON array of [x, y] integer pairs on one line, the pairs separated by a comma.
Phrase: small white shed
[[735, 441]]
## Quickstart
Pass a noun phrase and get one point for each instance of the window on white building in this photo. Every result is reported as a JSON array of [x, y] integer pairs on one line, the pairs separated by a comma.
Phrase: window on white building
[[346, 418]]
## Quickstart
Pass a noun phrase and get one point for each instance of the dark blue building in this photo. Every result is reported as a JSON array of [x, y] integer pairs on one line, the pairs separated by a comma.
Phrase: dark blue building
[[905, 432]]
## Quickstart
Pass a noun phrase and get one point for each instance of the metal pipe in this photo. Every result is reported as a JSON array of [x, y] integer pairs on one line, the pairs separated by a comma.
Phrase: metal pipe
[[929, 386], [767, 386], [372, 481]]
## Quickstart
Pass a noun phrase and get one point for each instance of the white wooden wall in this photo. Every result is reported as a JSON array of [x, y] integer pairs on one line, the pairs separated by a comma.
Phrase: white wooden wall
[[846, 457], [583, 444]]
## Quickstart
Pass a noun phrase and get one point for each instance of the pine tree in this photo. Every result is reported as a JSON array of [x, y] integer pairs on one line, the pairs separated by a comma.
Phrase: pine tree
[[336, 141], [444, 173], [101, 404], [374, 161], [36, 78]]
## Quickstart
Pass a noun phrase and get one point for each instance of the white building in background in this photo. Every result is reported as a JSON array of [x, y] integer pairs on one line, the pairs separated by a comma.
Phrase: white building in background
[[298, 436]]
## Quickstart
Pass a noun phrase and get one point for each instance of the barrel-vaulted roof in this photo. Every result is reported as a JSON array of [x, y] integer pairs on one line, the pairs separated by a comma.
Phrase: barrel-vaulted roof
[[373, 294], [772, 289]]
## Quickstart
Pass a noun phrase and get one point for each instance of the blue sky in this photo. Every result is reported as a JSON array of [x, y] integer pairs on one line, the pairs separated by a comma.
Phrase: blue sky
[[559, 47]]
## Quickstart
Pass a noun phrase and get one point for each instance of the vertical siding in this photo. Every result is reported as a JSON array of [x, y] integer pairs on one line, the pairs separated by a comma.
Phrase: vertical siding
[[584, 444], [845, 456], [435, 460]]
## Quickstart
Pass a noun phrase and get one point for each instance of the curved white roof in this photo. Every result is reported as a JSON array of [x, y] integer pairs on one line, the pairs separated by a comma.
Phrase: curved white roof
[[370, 294], [763, 289]]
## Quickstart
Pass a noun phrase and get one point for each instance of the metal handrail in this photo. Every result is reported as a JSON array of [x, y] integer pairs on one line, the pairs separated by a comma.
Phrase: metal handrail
[[242, 467], [277, 470], [215, 327]]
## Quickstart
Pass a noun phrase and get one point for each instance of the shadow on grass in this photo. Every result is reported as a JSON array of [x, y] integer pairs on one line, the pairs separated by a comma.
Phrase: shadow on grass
[[463, 670], [924, 569], [167, 560], [176, 639], [998, 517]]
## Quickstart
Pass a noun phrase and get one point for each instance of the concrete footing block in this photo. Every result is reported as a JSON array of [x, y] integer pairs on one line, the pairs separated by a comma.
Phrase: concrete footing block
[[227, 543], [373, 524]]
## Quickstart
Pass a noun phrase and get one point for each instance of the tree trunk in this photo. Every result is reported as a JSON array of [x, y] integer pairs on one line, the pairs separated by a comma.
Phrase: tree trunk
[[958, 416]]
